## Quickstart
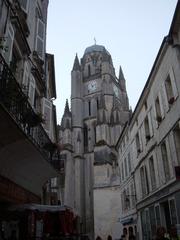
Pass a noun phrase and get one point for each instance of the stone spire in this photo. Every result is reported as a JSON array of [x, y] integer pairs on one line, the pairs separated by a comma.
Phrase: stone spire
[[76, 66], [121, 75], [122, 80], [66, 110]]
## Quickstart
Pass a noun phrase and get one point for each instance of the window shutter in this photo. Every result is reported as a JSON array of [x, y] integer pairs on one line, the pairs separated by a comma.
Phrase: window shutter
[[40, 38], [25, 81], [173, 82], [31, 90], [7, 53], [47, 113], [24, 5]]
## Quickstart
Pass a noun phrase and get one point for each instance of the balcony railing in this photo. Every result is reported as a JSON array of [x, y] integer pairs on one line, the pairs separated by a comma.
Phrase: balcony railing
[[16, 103]]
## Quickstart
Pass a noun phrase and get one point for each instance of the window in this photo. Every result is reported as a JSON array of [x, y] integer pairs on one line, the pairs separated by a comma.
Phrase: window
[[126, 171], [152, 220], [147, 129], [97, 102], [40, 38], [129, 162], [8, 43], [176, 135], [47, 113], [158, 219], [152, 173], [158, 111], [85, 138], [89, 70], [169, 90], [89, 107], [133, 197], [144, 181], [172, 208], [138, 144], [122, 171], [31, 93], [165, 161]]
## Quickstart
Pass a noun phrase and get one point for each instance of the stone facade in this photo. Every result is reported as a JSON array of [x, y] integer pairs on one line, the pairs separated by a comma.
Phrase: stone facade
[[88, 133], [149, 147]]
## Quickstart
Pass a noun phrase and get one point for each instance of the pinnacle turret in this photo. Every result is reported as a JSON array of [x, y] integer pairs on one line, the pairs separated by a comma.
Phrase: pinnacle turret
[[122, 80], [76, 66], [66, 110], [121, 75]]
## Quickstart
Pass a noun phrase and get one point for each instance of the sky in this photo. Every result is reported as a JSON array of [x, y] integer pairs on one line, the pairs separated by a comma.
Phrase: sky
[[131, 30]]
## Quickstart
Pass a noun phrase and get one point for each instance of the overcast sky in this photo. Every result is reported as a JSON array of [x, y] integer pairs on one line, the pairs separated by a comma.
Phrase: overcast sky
[[131, 30]]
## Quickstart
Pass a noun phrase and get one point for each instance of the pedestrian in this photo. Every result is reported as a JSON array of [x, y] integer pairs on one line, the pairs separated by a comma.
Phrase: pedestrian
[[131, 234], [160, 232], [109, 237], [98, 238]]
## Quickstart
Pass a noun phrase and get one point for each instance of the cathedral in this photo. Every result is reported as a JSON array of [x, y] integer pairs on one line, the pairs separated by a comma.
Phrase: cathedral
[[89, 132]]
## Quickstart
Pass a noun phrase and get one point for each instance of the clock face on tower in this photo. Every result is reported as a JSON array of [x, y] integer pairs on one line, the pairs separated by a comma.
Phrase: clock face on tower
[[92, 86]]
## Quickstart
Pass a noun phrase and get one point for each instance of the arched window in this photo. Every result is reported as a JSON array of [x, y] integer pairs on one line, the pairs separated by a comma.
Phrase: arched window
[[85, 138], [97, 101], [89, 70], [89, 107]]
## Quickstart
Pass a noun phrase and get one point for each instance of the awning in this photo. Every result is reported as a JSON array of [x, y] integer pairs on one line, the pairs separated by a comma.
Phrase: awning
[[40, 208], [127, 221]]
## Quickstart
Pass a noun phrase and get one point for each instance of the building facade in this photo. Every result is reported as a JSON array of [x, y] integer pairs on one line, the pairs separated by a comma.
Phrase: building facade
[[152, 140], [88, 133], [27, 113]]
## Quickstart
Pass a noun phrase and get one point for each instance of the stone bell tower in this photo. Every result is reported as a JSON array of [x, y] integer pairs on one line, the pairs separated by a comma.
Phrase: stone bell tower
[[99, 110]]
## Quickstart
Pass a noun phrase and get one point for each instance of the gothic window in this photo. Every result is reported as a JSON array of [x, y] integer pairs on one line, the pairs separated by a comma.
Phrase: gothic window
[[95, 134], [126, 170], [152, 173], [85, 138], [129, 162], [122, 171], [176, 135], [165, 161], [97, 101], [89, 107], [89, 70]]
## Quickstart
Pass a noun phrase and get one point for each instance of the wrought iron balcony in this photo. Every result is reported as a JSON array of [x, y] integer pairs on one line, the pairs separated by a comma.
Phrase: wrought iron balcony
[[16, 104]]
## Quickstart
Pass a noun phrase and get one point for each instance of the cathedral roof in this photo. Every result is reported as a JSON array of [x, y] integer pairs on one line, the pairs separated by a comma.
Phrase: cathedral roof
[[96, 48]]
